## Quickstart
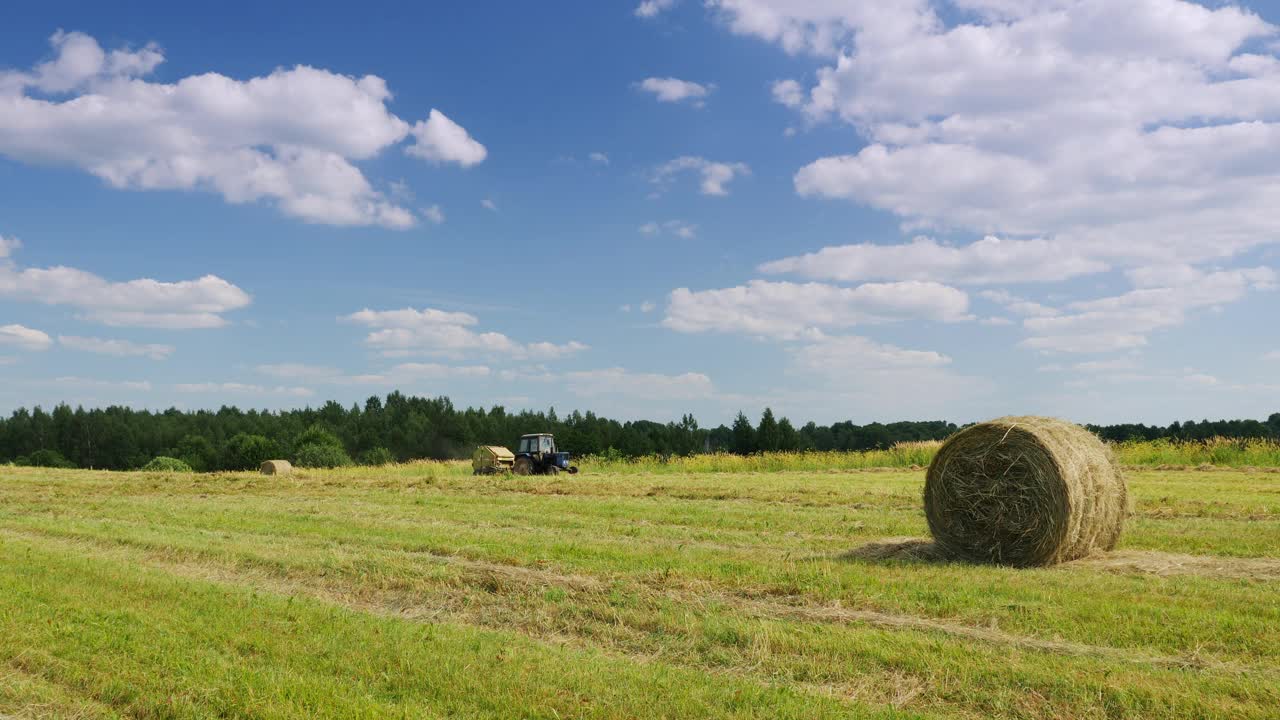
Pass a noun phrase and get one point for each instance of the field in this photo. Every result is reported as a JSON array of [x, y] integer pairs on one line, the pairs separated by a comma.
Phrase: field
[[624, 592]]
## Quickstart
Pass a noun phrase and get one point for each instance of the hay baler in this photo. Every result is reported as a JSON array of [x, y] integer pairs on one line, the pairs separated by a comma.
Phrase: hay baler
[[491, 459]]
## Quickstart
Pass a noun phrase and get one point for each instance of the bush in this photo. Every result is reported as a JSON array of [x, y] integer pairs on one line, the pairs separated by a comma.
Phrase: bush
[[321, 456], [377, 456], [316, 435], [248, 452], [160, 463], [44, 458], [196, 451]]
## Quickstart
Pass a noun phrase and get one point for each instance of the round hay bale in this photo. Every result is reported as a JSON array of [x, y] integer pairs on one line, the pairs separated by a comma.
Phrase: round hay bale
[[276, 467], [1024, 491]]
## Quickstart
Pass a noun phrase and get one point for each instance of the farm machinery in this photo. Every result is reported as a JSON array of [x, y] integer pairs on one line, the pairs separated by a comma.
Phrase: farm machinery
[[536, 455]]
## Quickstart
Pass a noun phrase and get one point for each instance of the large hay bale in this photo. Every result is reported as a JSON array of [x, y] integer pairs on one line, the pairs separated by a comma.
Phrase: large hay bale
[[276, 467], [1024, 491]]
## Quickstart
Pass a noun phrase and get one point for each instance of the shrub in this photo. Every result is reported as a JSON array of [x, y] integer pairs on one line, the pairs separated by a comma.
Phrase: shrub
[[161, 463], [45, 458], [316, 435], [377, 456], [321, 456], [247, 452], [196, 451]]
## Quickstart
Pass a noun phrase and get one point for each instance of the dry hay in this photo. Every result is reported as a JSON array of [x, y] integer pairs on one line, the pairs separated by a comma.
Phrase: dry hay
[[1024, 491], [276, 467]]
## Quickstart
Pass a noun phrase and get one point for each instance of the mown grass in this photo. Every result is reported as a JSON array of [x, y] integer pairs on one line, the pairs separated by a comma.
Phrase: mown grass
[[421, 591]]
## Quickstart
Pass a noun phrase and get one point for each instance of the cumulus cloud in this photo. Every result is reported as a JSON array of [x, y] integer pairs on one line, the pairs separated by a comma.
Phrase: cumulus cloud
[[437, 332], [648, 386], [987, 261], [673, 90], [714, 175], [679, 228], [434, 213], [1125, 321], [1130, 134], [289, 137], [790, 310], [598, 158], [401, 374], [236, 388], [442, 140], [198, 303], [843, 355], [116, 348], [789, 93], [653, 8], [24, 338]]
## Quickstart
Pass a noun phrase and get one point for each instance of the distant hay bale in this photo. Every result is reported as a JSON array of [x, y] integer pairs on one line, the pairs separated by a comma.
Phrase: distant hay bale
[[1024, 491], [276, 467]]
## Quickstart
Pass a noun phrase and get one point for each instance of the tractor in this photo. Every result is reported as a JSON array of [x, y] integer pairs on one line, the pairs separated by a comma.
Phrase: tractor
[[537, 456]]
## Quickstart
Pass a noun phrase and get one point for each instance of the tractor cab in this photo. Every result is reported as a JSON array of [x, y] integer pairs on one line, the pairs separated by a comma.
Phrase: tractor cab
[[536, 455]]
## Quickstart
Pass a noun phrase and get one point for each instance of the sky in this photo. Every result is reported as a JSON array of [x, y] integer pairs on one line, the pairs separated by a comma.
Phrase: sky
[[841, 210]]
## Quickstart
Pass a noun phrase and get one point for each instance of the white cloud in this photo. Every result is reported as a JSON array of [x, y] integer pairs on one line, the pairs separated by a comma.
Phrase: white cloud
[[289, 137], [673, 90], [647, 307], [1124, 321], [1273, 355], [647, 386], [989, 260], [845, 355], [235, 388], [434, 214], [401, 374], [679, 228], [714, 175], [8, 245], [441, 140], [437, 332], [653, 8], [1017, 305], [789, 93], [74, 381], [489, 204], [1129, 134], [198, 303], [117, 348], [598, 158], [24, 338], [789, 310]]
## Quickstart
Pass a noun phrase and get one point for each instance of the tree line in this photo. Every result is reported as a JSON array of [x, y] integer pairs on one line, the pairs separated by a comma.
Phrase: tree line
[[400, 427]]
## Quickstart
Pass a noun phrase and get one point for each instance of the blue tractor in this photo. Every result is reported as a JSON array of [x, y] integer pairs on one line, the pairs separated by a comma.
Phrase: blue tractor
[[537, 456]]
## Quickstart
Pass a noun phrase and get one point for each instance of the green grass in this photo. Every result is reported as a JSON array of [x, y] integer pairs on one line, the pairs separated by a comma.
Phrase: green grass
[[420, 591]]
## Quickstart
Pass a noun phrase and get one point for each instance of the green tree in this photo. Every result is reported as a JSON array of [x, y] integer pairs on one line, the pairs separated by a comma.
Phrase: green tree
[[247, 452], [196, 451], [768, 439], [744, 436]]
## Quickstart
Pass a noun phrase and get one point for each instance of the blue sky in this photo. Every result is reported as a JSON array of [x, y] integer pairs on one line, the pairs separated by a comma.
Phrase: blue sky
[[913, 210]]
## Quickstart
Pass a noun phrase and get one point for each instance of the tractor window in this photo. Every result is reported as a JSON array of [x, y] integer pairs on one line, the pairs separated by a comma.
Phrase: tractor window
[[528, 445], [546, 445]]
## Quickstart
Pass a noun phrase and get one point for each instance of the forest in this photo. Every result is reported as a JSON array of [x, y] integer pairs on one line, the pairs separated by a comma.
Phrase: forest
[[400, 428]]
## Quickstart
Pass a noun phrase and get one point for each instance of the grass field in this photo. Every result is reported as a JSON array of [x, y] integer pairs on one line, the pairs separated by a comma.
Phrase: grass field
[[419, 591]]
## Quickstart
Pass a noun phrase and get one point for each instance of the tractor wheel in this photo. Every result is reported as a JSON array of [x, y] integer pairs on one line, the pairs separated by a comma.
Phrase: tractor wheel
[[573, 469], [552, 469], [523, 466]]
